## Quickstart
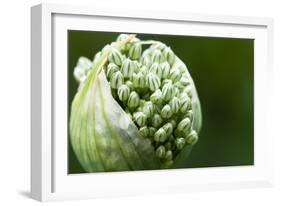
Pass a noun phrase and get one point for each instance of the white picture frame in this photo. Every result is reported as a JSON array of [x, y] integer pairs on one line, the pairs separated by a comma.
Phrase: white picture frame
[[49, 178]]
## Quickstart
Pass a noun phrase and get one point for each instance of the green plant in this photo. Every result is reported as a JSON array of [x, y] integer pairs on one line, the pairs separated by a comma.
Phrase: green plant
[[134, 109]]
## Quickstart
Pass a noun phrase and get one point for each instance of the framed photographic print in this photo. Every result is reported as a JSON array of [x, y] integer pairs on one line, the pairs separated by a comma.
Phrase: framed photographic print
[[138, 102]]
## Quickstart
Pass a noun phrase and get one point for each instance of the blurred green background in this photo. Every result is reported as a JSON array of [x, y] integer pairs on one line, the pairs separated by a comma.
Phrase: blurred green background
[[223, 72]]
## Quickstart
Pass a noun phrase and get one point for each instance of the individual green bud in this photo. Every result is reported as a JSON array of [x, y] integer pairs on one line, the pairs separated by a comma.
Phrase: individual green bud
[[140, 118], [192, 137], [130, 85], [138, 80], [166, 112], [189, 114], [146, 61], [148, 109], [184, 81], [168, 145], [147, 52], [111, 68], [156, 120], [160, 152], [168, 92], [123, 92], [156, 69], [79, 74], [185, 104], [160, 135], [169, 55], [144, 132], [135, 51], [188, 90], [168, 127], [122, 37], [116, 80], [181, 66], [173, 122], [157, 56], [180, 142], [137, 66], [175, 104], [128, 68], [158, 45], [151, 131], [184, 125], [175, 74], [166, 81], [158, 108], [115, 56], [165, 69], [156, 97], [143, 70], [134, 100], [152, 81], [169, 155]]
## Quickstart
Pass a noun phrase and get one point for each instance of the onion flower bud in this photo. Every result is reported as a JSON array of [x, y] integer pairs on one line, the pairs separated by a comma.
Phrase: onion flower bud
[[138, 80], [160, 135], [184, 125], [128, 68], [116, 80], [169, 55], [165, 69], [111, 69], [156, 69], [115, 56], [175, 104], [134, 100], [166, 112], [146, 61], [152, 81], [135, 51], [123, 92], [159, 46], [133, 110], [175, 74], [185, 104], [148, 109]]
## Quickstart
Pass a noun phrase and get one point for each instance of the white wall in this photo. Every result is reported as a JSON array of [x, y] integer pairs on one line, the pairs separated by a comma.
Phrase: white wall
[[15, 95]]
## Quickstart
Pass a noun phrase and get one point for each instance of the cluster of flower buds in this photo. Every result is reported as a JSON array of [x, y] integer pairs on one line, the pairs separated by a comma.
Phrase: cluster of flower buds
[[154, 89]]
